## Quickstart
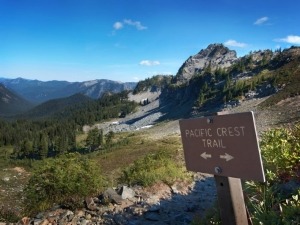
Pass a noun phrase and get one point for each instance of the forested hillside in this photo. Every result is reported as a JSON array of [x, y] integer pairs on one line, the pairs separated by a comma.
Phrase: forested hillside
[[55, 135], [56, 106], [11, 103]]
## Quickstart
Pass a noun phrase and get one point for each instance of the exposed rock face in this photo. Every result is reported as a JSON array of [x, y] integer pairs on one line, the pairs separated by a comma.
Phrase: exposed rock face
[[214, 56], [258, 56]]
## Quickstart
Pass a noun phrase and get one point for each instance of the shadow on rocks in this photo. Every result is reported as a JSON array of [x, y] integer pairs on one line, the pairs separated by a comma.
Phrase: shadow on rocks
[[162, 204], [159, 204]]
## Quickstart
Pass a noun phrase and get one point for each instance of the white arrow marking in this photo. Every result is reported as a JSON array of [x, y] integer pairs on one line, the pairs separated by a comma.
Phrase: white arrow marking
[[205, 156], [227, 157]]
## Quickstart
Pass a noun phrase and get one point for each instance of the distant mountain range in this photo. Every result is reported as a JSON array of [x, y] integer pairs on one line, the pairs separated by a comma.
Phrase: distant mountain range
[[12, 103], [213, 78], [36, 91]]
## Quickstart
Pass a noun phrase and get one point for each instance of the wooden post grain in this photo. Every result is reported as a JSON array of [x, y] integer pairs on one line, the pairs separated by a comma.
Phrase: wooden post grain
[[231, 201]]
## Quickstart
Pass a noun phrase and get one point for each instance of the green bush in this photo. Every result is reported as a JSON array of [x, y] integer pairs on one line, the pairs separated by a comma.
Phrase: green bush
[[268, 202], [151, 169], [10, 215], [280, 150], [64, 181]]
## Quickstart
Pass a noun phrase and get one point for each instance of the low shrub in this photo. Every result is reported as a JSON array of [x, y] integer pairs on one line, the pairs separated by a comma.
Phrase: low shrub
[[64, 180], [9, 215], [153, 168], [280, 149], [277, 201]]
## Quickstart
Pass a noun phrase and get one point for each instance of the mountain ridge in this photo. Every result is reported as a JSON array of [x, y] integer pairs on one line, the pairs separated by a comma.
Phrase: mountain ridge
[[212, 78], [12, 103], [211, 88], [41, 91]]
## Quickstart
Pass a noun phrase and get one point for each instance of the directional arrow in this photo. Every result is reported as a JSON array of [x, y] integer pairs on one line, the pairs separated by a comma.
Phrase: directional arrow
[[205, 156], [227, 157]]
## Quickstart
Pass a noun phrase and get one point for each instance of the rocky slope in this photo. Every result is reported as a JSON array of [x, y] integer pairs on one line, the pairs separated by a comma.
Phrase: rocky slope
[[213, 57], [179, 100], [159, 204]]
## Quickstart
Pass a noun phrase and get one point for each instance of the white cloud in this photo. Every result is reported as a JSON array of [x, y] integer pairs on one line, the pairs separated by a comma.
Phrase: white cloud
[[234, 43], [149, 63], [137, 24], [261, 21], [118, 25], [291, 39]]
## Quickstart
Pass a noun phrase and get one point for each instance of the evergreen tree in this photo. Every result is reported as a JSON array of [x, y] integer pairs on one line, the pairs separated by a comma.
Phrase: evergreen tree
[[109, 137], [94, 139], [27, 148], [201, 99], [43, 147]]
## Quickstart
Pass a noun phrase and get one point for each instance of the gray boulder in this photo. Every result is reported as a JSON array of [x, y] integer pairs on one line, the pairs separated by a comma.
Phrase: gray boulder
[[111, 196]]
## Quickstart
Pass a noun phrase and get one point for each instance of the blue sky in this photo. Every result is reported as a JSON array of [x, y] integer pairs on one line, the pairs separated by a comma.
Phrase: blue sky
[[130, 40]]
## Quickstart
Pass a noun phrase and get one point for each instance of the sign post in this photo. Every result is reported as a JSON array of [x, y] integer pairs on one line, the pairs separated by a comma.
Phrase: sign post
[[231, 201], [226, 146]]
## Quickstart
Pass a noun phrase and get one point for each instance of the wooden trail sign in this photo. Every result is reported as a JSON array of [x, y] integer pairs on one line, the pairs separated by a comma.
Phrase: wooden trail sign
[[224, 145]]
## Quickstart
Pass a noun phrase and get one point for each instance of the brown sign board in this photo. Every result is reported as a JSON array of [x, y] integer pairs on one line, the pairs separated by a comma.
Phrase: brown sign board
[[223, 145]]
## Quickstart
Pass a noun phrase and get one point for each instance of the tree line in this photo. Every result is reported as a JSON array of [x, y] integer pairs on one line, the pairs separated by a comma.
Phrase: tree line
[[39, 139]]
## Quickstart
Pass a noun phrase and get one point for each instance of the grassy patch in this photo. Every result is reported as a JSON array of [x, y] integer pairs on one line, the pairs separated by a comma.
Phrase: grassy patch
[[47, 176], [153, 168], [119, 156]]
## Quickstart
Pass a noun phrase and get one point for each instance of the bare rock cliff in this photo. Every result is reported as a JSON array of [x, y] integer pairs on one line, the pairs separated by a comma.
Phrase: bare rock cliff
[[213, 57]]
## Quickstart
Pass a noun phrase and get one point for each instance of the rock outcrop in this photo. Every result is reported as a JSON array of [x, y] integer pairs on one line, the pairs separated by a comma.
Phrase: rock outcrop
[[213, 57], [159, 204]]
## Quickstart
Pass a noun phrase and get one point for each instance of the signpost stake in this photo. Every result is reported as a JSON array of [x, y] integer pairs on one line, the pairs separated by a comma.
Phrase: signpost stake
[[231, 201], [226, 146]]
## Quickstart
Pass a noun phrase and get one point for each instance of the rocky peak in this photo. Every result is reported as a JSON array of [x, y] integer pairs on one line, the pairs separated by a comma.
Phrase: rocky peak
[[260, 55], [214, 56]]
